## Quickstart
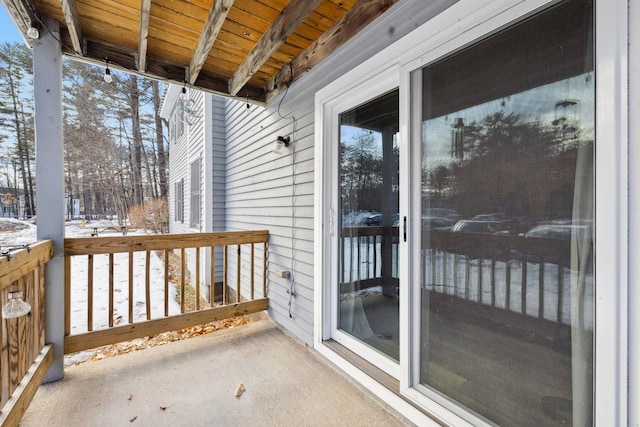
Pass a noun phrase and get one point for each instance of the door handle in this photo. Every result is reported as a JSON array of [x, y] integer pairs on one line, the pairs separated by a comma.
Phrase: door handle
[[404, 228]]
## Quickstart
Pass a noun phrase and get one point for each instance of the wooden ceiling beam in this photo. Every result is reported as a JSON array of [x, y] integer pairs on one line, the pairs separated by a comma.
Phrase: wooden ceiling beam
[[145, 13], [215, 20], [125, 59], [358, 17], [281, 28], [70, 11], [22, 15]]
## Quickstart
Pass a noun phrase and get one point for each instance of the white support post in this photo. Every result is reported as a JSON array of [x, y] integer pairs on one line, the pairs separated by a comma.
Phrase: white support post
[[47, 87], [634, 207]]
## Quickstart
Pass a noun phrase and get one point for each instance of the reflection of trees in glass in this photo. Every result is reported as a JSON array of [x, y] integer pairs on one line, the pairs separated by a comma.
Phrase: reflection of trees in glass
[[516, 168], [361, 172]]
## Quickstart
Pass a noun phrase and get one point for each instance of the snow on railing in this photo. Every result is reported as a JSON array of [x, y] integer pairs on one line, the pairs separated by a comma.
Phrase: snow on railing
[[25, 359], [126, 287]]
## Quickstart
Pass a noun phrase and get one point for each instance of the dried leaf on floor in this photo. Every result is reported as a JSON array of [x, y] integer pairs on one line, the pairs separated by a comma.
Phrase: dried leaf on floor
[[239, 390]]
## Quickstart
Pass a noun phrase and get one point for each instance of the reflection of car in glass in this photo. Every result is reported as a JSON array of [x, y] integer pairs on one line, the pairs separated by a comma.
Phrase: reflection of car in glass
[[488, 217], [376, 219], [373, 220], [557, 230], [437, 223], [476, 226], [551, 242]]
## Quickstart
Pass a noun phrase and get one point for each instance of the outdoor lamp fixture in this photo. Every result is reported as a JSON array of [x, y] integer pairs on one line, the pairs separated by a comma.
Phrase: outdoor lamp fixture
[[16, 307], [280, 145], [33, 32], [107, 73]]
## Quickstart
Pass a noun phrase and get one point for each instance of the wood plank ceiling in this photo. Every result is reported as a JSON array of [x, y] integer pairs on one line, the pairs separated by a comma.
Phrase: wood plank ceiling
[[245, 48]]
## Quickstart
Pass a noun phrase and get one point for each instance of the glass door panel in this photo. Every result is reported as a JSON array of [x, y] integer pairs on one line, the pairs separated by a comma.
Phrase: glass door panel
[[506, 264], [368, 283]]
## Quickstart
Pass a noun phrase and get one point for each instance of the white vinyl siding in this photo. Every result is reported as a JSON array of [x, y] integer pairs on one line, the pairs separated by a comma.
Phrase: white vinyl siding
[[261, 195]]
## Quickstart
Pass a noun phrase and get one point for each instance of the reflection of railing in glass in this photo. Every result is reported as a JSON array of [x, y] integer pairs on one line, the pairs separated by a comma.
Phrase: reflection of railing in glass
[[361, 258], [522, 274]]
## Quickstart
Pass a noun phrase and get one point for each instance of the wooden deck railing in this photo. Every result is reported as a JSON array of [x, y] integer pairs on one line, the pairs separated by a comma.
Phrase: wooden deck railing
[[247, 289], [25, 359]]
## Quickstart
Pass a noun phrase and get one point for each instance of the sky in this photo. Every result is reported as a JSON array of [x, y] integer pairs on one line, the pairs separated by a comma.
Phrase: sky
[[8, 31]]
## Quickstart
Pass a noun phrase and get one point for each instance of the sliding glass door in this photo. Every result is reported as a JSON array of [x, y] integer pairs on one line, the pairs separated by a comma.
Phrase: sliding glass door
[[504, 268], [368, 283]]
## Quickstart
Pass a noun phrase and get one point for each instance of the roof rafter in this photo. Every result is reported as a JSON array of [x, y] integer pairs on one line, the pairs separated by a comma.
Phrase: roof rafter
[[358, 17], [145, 12], [22, 15], [281, 28], [125, 59], [70, 11], [215, 20]]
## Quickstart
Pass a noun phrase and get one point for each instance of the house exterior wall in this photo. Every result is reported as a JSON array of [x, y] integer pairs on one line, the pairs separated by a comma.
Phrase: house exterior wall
[[275, 192]]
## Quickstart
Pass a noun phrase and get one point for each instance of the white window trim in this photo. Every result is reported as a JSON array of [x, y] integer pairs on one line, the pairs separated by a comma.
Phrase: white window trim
[[463, 23]]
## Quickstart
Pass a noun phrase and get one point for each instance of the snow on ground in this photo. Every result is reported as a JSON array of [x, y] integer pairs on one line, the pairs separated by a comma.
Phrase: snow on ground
[[14, 233]]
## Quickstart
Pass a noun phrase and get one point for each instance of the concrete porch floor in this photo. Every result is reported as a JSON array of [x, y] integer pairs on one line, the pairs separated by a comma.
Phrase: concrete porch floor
[[195, 380]]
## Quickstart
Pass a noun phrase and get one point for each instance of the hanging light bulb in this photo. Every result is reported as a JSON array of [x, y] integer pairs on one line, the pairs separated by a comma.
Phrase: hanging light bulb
[[33, 32], [184, 95], [107, 73], [16, 307]]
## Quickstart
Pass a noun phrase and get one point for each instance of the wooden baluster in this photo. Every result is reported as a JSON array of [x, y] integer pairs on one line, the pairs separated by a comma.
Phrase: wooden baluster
[[23, 333], [166, 282], [238, 275], [67, 296], [4, 357], [111, 290], [183, 273], [198, 278], [41, 306], [225, 273], [147, 283], [212, 281], [90, 294], [264, 271], [130, 287], [253, 261]]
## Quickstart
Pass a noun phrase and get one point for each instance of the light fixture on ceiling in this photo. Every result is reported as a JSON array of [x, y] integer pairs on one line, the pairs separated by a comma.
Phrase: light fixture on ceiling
[[16, 306], [108, 78], [280, 144], [33, 32]]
